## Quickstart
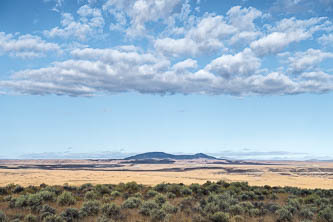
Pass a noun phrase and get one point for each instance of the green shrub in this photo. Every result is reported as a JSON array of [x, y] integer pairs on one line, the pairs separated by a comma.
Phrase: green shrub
[[86, 187], [34, 201], [284, 215], [111, 211], [46, 211], [66, 199], [175, 189], [169, 208], [326, 214], [311, 199], [102, 189], [68, 187], [186, 191], [236, 209], [47, 195], [195, 188], [138, 195], [132, 203], [254, 212], [90, 195], [106, 198], [147, 207], [157, 215], [20, 202], [151, 193], [132, 187], [211, 208], [247, 205], [171, 195], [90, 208], [306, 213], [3, 217], [53, 218], [162, 187], [53, 189], [70, 214], [3, 191], [219, 217], [115, 194], [7, 198], [274, 197], [160, 199], [18, 189], [30, 218], [294, 203]]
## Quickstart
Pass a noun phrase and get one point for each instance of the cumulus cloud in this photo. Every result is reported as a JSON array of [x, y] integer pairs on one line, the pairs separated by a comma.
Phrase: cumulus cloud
[[234, 53], [305, 61], [26, 46], [288, 31], [243, 18], [100, 71], [210, 33], [185, 65], [205, 37], [229, 66], [139, 12], [90, 23]]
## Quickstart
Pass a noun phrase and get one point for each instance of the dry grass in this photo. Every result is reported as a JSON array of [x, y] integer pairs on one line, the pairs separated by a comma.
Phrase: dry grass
[[297, 174]]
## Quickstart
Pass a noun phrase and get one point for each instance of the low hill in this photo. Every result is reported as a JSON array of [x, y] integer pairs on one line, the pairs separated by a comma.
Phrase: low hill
[[162, 155]]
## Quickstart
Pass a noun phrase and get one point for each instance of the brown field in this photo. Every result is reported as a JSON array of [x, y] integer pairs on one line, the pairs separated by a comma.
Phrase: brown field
[[77, 172]]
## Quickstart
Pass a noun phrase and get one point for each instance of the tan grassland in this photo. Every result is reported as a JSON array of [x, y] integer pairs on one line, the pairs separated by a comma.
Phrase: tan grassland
[[286, 173]]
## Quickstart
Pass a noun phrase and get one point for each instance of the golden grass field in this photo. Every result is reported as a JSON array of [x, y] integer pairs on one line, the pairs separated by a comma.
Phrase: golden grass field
[[287, 173]]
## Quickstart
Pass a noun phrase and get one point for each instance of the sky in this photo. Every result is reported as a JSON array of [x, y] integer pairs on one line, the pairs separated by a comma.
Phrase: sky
[[109, 78]]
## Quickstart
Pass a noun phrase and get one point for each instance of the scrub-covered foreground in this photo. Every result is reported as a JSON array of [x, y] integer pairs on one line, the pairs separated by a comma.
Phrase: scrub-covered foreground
[[215, 202]]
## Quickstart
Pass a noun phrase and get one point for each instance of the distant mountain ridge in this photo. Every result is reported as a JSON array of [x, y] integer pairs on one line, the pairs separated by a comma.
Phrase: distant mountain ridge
[[162, 155]]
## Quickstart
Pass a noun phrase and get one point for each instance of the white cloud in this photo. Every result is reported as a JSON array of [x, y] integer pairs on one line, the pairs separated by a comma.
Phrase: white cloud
[[139, 12], [185, 47], [203, 38], [229, 66], [288, 31], [25, 46], [243, 18], [318, 76], [304, 61], [209, 34], [185, 65], [90, 24], [103, 71], [58, 4], [240, 48], [273, 83], [326, 39], [273, 43]]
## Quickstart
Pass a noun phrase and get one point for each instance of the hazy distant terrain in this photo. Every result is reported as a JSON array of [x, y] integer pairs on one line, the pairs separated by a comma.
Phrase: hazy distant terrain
[[153, 171]]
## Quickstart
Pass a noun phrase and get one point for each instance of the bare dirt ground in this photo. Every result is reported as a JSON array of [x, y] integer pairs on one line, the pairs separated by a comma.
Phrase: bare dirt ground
[[77, 172]]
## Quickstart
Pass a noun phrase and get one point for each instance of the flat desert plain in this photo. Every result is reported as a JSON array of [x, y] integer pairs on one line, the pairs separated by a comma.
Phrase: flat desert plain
[[77, 172]]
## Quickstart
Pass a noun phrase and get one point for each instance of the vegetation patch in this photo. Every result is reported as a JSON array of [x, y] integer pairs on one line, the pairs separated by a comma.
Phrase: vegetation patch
[[209, 202]]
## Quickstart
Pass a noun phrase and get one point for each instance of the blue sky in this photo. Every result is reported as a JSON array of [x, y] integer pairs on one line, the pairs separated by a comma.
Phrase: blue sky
[[242, 79]]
